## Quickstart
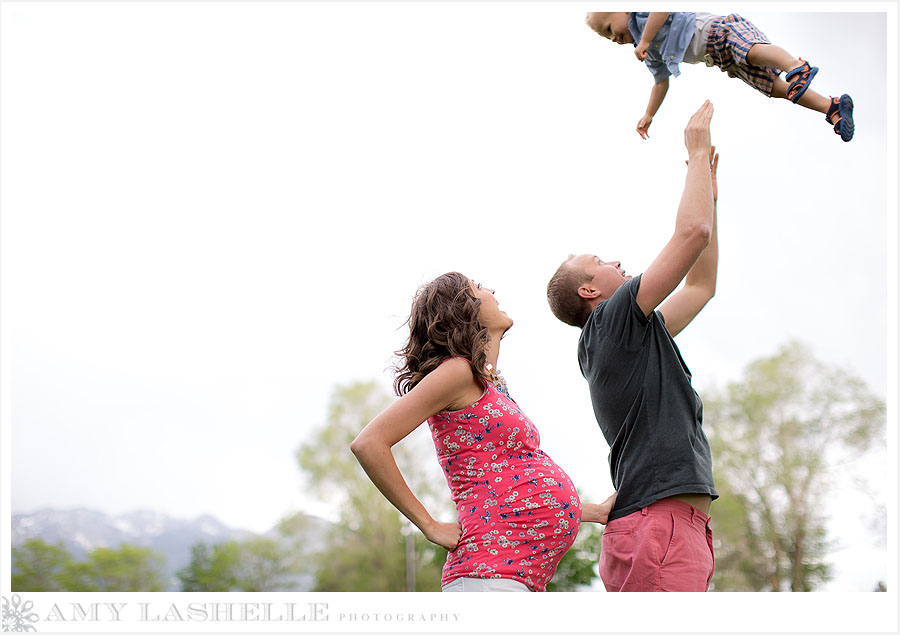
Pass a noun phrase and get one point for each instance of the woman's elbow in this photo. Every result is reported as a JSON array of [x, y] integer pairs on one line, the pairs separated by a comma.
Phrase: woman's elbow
[[360, 444]]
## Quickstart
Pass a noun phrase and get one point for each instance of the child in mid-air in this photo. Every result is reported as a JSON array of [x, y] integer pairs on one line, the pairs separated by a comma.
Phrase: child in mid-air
[[735, 45]]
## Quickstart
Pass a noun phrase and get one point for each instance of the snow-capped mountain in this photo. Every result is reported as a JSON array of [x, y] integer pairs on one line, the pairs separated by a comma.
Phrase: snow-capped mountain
[[82, 530]]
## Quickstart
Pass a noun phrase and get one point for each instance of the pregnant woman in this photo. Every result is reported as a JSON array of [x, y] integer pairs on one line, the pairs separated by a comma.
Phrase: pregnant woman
[[517, 511]]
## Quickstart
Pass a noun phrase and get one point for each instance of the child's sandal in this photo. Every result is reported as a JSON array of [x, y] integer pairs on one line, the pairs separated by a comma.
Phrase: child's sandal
[[840, 115], [804, 75]]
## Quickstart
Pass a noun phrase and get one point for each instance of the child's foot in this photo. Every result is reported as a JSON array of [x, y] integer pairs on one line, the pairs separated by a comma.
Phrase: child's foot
[[800, 78], [840, 115]]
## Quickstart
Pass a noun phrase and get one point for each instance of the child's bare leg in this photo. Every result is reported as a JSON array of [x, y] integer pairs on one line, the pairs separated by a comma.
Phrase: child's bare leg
[[773, 57], [810, 99]]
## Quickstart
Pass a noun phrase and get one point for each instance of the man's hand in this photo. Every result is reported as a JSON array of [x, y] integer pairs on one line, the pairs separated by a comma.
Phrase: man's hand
[[713, 166], [640, 51], [694, 232], [696, 134], [446, 535], [644, 125], [593, 513]]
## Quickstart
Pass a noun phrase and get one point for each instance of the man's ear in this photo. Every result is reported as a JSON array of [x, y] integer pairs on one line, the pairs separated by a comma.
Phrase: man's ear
[[588, 292]]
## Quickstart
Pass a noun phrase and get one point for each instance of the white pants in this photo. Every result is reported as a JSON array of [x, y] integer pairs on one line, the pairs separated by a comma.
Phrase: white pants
[[480, 584]]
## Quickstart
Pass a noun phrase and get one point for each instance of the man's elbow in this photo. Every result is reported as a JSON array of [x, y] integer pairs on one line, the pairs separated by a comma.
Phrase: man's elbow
[[703, 233], [706, 289], [696, 236], [702, 291]]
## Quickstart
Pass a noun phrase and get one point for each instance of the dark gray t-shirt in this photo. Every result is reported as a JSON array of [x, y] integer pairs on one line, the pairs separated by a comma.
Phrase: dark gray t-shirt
[[644, 402]]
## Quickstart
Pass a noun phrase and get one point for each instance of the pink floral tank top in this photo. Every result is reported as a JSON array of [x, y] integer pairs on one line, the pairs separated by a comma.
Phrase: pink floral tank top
[[519, 511]]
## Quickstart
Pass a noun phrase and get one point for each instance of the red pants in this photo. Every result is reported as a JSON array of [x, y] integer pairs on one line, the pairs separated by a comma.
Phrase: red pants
[[666, 546]]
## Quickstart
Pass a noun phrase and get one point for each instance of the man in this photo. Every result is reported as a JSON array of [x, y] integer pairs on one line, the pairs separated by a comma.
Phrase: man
[[658, 537]]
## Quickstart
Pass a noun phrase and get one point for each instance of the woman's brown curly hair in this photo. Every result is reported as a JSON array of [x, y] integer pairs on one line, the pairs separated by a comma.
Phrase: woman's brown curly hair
[[443, 323]]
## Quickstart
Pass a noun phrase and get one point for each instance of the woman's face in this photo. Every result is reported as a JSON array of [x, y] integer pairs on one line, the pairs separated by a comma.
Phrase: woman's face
[[490, 316]]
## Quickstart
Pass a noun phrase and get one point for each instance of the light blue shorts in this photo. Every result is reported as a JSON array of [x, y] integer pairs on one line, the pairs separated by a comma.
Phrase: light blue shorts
[[482, 584]]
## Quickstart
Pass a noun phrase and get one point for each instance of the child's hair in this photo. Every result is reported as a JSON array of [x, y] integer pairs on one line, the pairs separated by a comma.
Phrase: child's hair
[[562, 294], [443, 323], [589, 19]]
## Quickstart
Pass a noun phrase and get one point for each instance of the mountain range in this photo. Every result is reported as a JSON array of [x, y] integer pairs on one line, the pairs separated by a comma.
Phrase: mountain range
[[82, 530]]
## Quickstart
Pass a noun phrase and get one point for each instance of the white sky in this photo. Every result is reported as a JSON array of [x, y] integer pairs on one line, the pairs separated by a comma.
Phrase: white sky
[[212, 214]]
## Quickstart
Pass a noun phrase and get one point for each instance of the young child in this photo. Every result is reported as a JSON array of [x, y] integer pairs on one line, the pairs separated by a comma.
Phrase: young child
[[735, 45]]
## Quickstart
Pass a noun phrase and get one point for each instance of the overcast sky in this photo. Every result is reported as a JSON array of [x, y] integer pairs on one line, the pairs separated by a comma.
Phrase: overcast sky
[[213, 214]]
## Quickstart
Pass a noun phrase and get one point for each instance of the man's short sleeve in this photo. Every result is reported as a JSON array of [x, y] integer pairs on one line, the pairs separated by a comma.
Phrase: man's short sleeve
[[620, 319]]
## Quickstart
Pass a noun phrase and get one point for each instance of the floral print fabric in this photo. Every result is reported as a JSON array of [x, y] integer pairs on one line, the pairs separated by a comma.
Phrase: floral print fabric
[[519, 511]]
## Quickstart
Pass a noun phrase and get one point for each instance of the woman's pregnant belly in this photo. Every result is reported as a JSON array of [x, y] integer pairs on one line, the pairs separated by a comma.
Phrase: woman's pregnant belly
[[516, 525]]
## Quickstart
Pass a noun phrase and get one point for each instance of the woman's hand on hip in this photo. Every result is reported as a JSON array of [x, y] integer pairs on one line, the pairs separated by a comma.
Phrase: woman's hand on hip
[[446, 535]]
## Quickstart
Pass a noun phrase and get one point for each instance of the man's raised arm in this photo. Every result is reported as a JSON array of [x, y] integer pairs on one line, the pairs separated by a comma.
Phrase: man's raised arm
[[693, 222], [700, 282]]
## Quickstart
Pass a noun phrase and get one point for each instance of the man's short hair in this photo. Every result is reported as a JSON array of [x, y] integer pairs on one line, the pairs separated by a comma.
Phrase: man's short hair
[[562, 294]]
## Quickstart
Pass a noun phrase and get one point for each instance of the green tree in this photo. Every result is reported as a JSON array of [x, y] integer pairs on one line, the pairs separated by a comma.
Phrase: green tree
[[779, 437], [38, 566], [42, 567], [263, 565], [578, 568], [302, 535], [255, 564], [127, 568], [367, 549], [211, 568]]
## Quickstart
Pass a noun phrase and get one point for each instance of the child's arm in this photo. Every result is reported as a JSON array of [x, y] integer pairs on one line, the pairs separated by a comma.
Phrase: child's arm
[[651, 28], [657, 95]]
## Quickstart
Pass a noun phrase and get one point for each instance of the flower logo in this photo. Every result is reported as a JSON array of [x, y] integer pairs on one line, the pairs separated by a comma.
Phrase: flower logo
[[17, 615]]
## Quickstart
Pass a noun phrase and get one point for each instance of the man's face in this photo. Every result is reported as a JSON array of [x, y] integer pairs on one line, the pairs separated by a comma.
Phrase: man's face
[[612, 26], [606, 277]]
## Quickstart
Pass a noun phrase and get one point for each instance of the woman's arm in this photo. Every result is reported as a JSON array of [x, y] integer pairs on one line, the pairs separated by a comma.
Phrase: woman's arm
[[372, 447]]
